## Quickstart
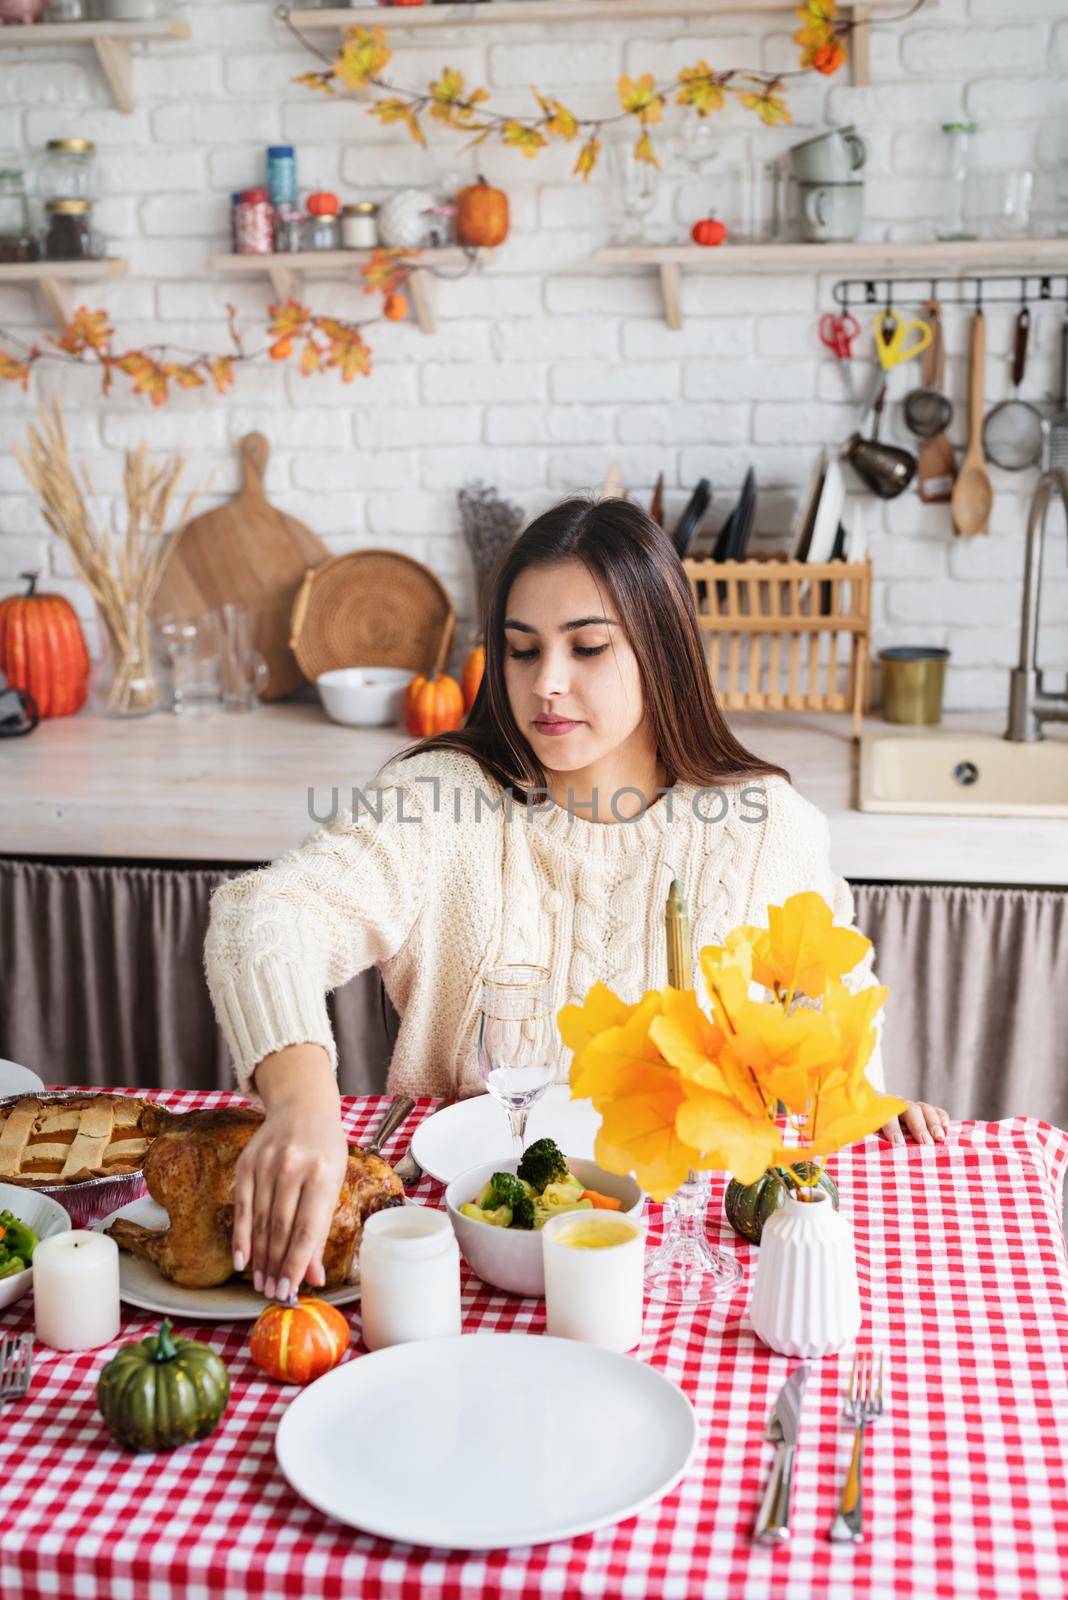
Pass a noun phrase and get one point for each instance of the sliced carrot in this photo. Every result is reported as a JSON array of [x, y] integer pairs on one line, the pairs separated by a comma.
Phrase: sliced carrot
[[3, 1230], [601, 1202]]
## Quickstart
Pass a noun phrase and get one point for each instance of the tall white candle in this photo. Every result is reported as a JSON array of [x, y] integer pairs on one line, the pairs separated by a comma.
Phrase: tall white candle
[[76, 1290], [409, 1277], [594, 1278]]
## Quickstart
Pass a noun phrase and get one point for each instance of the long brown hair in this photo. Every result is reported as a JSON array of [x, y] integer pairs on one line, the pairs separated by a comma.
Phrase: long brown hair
[[637, 563]]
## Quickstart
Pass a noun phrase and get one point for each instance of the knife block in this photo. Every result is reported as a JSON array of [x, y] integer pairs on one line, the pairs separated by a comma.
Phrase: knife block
[[786, 635]]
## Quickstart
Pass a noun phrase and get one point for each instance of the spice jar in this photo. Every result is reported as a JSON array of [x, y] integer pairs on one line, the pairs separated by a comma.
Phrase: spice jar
[[359, 226], [288, 230], [67, 236], [252, 223], [323, 232], [282, 174], [67, 170], [409, 1277]]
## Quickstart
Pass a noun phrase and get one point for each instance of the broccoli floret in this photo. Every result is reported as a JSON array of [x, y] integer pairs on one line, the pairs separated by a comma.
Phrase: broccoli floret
[[505, 1189], [542, 1164], [544, 1209], [16, 1238]]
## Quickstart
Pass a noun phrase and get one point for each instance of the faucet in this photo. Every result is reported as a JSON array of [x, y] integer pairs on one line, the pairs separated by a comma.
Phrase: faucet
[[1030, 703]]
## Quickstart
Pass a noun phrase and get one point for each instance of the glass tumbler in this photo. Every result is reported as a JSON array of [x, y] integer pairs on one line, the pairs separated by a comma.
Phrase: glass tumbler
[[244, 670], [191, 645], [518, 1044]]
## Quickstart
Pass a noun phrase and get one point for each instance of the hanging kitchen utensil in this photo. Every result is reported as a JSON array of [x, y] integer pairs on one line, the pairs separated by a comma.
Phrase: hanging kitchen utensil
[[936, 461], [838, 334], [973, 494], [371, 608], [252, 554], [927, 411], [886, 469], [892, 339], [1013, 432], [693, 513], [1057, 430]]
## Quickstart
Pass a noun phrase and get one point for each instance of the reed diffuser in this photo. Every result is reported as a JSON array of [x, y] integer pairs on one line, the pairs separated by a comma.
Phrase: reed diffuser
[[122, 571]]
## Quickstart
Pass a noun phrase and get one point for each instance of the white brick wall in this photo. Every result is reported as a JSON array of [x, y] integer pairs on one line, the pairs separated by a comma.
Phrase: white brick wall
[[545, 370]]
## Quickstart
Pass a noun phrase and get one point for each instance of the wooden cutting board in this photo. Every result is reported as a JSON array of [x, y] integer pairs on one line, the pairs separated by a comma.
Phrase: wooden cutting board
[[251, 553]]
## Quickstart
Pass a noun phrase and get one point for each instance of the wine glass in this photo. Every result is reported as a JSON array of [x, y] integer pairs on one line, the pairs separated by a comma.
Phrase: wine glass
[[517, 1041]]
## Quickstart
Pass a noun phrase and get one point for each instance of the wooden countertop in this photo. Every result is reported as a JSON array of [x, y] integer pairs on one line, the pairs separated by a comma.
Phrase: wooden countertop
[[235, 788]]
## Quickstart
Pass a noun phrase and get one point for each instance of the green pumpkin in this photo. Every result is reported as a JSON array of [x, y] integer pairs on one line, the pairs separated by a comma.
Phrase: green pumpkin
[[162, 1392], [749, 1205]]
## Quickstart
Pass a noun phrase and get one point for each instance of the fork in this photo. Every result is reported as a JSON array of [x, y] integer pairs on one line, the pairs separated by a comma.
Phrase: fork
[[16, 1362], [863, 1404]]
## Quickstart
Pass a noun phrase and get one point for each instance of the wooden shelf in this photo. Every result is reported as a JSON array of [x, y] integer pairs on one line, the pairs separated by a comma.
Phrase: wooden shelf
[[110, 40], [1030, 255], [53, 280], [499, 12], [286, 271]]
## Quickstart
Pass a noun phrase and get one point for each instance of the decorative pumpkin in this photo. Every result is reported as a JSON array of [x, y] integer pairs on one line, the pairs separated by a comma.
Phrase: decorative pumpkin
[[708, 231], [471, 677], [162, 1392], [433, 704], [323, 203], [749, 1205], [405, 220], [482, 215], [297, 1344], [395, 306], [43, 650]]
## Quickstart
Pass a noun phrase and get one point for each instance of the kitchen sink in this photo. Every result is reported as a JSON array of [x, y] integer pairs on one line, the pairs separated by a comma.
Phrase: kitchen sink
[[963, 774]]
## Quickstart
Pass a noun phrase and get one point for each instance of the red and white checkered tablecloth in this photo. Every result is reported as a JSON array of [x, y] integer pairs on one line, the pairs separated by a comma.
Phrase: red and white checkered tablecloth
[[964, 1282]]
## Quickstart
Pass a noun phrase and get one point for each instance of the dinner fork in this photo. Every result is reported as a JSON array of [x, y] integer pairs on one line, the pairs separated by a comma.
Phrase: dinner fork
[[863, 1404], [16, 1362]]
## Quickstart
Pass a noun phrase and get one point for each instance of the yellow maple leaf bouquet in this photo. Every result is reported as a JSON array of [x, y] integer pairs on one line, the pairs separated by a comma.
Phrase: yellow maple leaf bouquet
[[679, 1092]]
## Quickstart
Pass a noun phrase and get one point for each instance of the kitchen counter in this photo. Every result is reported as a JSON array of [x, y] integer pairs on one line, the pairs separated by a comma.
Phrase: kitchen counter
[[236, 789]]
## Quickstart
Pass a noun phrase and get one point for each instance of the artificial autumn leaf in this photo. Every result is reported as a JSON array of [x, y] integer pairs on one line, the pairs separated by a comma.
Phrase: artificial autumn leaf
[[726, 1136], [853, 1017], [638, 1132], [288, 319], [395, 109], [580, 1025], [316, 80], [86, 330], [801, 948], [12, 370], [643, 151], [587, 159], [451, 103], [184, 377], [841, 1118], [347, 352], [699, 89], [222, 373], [639, 97], [310, 358], [559, 121], [364, 53], [817, 13], [771, 109], [146, 375], [520, 137], [384, 271]]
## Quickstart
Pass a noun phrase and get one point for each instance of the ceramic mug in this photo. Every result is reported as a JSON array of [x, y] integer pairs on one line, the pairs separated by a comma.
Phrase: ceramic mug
[[833, 157], [831, 211]]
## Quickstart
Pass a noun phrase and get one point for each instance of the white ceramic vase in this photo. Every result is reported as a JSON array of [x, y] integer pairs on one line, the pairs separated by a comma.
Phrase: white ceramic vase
[[805, 1296]]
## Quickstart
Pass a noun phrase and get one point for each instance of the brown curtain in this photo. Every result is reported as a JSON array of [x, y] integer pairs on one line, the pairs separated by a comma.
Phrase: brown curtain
[[101, 981]]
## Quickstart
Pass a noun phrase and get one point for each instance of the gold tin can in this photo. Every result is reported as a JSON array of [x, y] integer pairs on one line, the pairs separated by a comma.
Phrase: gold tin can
[[913, 680]]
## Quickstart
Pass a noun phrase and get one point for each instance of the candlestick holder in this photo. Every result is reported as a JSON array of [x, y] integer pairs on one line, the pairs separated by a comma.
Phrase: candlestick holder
[[686, 1269]]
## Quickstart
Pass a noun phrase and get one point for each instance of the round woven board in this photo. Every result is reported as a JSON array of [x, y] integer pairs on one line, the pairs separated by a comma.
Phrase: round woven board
[[373, 608]]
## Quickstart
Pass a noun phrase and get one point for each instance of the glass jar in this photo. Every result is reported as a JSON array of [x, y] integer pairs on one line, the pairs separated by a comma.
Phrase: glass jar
[[67, 11], [18, 242], [958, 183], [409, 1277], [68, 235], [322, 232], [288, 230], [253, 223], [359, 226], [123, 682], [67, 170], [282, 174]]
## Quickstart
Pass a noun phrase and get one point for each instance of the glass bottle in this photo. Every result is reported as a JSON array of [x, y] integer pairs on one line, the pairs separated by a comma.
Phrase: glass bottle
[[18, 241], [67, 170], [958, 182]]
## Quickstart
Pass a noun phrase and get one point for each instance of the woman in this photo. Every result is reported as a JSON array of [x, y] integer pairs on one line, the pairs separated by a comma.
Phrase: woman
[[595, 767]]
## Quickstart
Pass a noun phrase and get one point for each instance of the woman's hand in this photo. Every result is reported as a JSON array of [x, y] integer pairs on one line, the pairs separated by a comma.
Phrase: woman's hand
[[925, 1123], [289, 1174]]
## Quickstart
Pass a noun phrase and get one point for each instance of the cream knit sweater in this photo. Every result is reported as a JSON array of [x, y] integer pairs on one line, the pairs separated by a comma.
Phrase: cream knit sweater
[[444, 886]]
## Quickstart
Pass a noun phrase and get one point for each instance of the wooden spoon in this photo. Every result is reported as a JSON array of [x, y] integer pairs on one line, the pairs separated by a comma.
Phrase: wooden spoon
[[936, 465], [973, 494]]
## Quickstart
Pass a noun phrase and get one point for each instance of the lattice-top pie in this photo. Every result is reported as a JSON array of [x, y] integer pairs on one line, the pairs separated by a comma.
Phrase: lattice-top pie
[[70, 1140]]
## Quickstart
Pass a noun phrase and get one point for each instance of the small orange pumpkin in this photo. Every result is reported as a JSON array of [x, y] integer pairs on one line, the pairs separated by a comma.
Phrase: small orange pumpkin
[[471, 677], [708, 231], [43, 650], [297, 1344], [395, 307], [433, 704], [482, 215]]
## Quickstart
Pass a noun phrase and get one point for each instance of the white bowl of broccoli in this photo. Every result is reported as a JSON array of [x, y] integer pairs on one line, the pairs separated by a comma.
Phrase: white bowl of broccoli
[[25, 1219], [497, 1210]]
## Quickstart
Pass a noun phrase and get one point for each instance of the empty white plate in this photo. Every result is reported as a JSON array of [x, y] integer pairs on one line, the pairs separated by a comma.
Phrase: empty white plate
[[17, 1080], [475, 1131], [486, 1441]]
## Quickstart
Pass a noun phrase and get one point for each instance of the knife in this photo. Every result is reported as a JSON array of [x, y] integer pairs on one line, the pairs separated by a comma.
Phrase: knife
[[773, 1519]]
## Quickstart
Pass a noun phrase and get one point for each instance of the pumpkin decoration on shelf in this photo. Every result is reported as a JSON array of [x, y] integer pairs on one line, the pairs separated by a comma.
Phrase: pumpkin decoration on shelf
[[162, 1391], [433, 703], [297, 1344], [43, 651], [749, 1205], [481, 215], [708, 231], [471, 677]]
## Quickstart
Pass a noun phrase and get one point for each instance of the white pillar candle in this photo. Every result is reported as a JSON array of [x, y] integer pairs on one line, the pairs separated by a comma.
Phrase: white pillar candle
[[76, 1290], [594, 1278], [409, 1277]]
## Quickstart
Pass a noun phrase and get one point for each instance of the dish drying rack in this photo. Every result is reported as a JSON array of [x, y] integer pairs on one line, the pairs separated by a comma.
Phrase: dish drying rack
[[785, 635]]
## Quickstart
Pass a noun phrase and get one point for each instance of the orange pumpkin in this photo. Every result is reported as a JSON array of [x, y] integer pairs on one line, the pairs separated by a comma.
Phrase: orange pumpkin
[[297, 1344], [43, 650], [481, 215], [395, 307], [433, 704], [471, 677]]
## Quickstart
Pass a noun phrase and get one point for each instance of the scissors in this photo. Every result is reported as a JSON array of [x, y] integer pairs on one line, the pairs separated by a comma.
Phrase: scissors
[[838, 334], [891, 339]]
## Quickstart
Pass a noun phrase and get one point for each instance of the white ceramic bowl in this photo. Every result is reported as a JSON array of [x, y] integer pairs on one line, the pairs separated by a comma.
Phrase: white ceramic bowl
[[364, 697], [510, 1258], [44, 1215]]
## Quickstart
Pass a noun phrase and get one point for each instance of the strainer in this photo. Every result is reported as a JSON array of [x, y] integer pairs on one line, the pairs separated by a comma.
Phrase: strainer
[[1013, 431]]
